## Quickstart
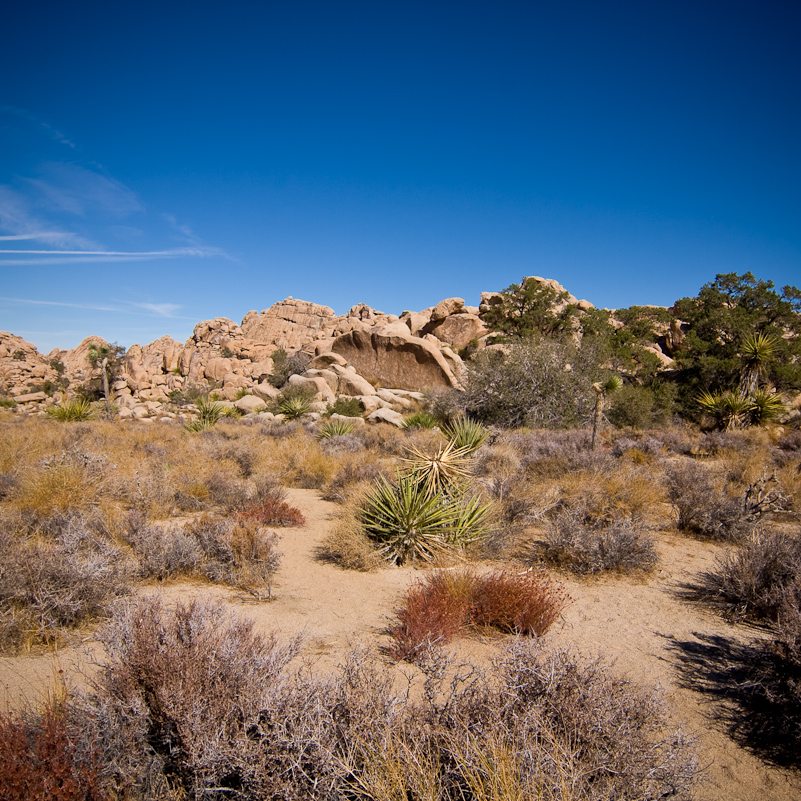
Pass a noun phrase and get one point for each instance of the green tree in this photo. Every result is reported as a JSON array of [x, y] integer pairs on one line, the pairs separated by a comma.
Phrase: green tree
[[724, 321], [531, 308]]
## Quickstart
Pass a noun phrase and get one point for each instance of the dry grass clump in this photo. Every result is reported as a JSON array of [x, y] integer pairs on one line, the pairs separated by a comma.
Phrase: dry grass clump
[[273, 512], [347, 546], [446, 602], [586, 544], [191, 703]]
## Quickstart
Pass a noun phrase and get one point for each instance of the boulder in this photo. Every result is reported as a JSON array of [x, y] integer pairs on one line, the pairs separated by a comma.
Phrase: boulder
[[446, 307], [386, 416], [249, 404], [457, 330], [290, 324], [391, 356], [30, 397], [326, 360], [320, 387], [217, 369]]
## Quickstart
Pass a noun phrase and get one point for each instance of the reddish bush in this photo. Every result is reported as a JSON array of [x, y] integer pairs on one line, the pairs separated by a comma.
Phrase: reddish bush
[[527, 603], [433, 613], [40, 761], [438, 608], [273, 512]]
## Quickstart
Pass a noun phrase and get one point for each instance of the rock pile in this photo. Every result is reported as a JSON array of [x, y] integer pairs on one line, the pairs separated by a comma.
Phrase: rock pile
[[382, 360]]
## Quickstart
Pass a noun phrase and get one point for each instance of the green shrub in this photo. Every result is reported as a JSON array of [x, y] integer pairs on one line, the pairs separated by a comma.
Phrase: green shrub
[[7, 403], [334, 428], [347, 407]]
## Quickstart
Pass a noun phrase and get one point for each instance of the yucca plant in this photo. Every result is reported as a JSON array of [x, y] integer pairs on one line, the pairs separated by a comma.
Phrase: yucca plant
[[405, 521], [437, 473], [729, 409], [209, 412], [602, 389], [293, 407], [334, 428], [764, 407], [72, 411], [409, 523], [756, 351], [466, 433], [421, 420]]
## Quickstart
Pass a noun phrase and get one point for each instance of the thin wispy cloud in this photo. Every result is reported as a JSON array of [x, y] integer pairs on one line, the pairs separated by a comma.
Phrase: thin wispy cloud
[[160, 309], [36, 236], [45, 127], [118, 307], [133, 254]]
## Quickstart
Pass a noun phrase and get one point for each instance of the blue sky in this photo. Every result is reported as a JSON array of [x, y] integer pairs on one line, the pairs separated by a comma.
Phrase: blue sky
[[161, 164]]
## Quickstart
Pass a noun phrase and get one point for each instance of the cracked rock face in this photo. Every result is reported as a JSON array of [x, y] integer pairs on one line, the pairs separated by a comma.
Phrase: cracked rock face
[[392, 357]]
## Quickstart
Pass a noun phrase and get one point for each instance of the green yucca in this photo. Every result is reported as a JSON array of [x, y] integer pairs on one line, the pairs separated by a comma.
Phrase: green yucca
[[409, 523], [756, 351], [421, 420], [293, 407], [729, 409], [764, 407], [334, 428], [466, 433], [72, 411]]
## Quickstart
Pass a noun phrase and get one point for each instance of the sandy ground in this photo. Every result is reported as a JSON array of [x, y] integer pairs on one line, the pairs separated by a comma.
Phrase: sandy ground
[[651, 632]]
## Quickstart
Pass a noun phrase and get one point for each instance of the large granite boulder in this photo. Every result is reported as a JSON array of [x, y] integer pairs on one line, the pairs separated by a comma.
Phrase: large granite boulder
[[389, 355]]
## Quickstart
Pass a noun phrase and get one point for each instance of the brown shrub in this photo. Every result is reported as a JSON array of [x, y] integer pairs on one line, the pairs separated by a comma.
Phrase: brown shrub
[[48, 587], [446, 602], [273, 512], [40, 759], [190, 703], [756, 579]]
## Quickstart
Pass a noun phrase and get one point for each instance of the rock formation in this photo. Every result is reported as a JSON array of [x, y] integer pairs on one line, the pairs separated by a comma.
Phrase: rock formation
[[381, 359]]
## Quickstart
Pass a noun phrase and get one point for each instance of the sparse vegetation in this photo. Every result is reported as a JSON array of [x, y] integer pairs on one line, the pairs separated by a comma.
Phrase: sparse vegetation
[[192, 702]]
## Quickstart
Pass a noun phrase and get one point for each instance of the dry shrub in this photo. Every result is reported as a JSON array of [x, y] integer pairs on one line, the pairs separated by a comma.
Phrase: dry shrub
[[191, 702], [240, 554], [708, 508], [164, 551], [585, 545], [273, 512], [47, 587], [182, 694], [446, 602], [41, 761], [755, 580]]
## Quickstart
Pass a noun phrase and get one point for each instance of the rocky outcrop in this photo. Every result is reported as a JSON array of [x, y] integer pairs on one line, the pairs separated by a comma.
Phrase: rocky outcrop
[[391, 356], [380, 359], [289, 325]]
